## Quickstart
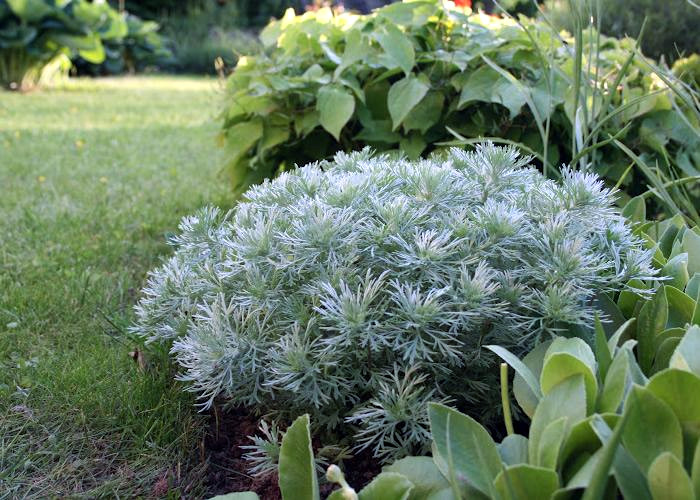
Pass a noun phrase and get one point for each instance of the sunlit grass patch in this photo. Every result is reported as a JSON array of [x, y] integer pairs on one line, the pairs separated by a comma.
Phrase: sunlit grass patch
[[93, 175]]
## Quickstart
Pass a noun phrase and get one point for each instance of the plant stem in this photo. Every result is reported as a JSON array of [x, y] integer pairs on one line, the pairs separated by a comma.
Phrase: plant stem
[[505, 401]]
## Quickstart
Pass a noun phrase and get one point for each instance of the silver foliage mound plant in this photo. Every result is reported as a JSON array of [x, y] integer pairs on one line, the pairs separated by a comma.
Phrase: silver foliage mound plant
[[358, 290]]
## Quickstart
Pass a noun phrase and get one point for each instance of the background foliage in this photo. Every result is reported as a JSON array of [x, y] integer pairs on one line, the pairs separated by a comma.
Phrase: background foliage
[[414, 75], [35, 34], [671, 29]]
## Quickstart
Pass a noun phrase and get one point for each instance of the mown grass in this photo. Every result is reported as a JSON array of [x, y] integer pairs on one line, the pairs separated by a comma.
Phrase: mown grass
[[92, 176]]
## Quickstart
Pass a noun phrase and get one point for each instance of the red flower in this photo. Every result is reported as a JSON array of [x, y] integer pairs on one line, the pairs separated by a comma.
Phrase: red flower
[[463, 3]]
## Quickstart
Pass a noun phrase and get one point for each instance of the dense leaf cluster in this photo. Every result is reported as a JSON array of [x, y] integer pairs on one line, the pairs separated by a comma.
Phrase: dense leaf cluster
[[362, 288], [400, 77], [35, 32], [141, 46]]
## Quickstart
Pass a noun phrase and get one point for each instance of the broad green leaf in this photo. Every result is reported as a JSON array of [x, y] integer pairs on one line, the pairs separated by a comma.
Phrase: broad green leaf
[[397, 47], [664, 352], [245, 105], [680, 307], [630, 477], [550, 443], [635, 210], [426, 113], [465, 446], [628, 299], [687, 354], [527, 393], [297, 473], [403, 96], [275, 131], [647, 412], [413, 145], [386, 486], [614, 340], [669, 233], [582, 442], [423, 473], [692, 289], [668, 480], [527, 376], [487, 85], [566, 357], [526, 482], [614, 318], [691, 245], [679, 390], [603, 354], [566, 399], [414, 13], [616, 385], [304, 123], [651, 321], [677, 269], [513, 449], [669, 333], [335, 106], [356, 49], [601, 471], [242, 137]]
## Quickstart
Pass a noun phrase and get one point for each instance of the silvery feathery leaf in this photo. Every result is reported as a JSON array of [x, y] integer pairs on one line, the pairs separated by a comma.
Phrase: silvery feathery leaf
[[357, 289]]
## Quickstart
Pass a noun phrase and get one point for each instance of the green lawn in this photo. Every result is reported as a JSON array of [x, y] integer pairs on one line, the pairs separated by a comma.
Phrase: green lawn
[[92, 176]]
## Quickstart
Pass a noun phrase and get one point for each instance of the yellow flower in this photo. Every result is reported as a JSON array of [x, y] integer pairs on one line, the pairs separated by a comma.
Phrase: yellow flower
[[103, 180], [41, 178], [79, 143]]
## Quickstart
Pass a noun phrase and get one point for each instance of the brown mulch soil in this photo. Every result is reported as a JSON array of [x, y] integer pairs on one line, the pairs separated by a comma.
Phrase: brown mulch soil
[[227, 470]]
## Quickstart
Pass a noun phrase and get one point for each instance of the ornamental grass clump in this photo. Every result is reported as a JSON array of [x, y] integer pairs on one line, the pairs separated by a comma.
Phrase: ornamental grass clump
[[357, 290]]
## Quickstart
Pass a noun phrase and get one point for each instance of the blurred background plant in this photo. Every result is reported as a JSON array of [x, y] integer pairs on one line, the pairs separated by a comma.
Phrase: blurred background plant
[[206, 31], [672, 25], [36, 36], [40, 38], [449, 76], [140, 49]]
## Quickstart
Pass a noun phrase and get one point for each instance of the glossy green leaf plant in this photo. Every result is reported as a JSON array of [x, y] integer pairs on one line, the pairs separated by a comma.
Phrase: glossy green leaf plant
[[35, 34], [416, 74], [599, 429], [358, 290], [662, 321]]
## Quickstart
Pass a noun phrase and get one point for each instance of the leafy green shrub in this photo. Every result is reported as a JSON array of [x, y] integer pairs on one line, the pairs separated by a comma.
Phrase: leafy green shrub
[[415, 74], [141, 47], [662, 321], [360, 289], [33, 33]]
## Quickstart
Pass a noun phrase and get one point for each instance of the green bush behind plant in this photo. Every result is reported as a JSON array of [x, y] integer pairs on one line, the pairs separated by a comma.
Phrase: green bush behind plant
[[33, 33], [413, 75], [141, 47]]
